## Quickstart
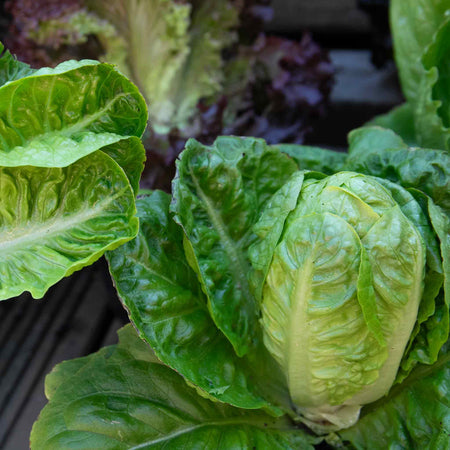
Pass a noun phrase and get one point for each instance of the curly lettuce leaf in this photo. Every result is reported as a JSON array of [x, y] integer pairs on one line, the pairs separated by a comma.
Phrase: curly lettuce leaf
[[93, 404], [56, 116], [54, 221], [218, 195], [166, 303]]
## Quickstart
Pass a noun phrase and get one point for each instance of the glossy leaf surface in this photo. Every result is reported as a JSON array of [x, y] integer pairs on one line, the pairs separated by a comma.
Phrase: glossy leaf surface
[[56, 116], [166, 303], [93, 404], [218, 195]]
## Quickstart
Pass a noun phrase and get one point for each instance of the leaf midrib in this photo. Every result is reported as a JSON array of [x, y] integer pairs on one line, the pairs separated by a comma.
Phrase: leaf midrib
[[68, 131], [45, 231], [237, 266]]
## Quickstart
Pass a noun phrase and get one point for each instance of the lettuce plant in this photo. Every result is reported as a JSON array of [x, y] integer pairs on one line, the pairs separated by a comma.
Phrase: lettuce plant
[[70, 163], [286, 304]]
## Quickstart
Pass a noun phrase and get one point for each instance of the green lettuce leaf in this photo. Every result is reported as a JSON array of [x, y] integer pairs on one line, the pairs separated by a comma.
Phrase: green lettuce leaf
[[56, 116], [10, 68], [130, 155], [431, 329], [415, 414], [400, 120], [421, 30], [432, 119], [413, 25], [171, 50], [150, 46], [314, 158], [270, 227], [379, 152], [218, 195], [55, 221], [202, 75], [165, 302], [93, 404], [363, 141]]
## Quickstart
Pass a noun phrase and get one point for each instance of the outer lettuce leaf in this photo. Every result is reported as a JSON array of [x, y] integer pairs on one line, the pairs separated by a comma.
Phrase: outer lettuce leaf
[[130, 155], [56, 116], [413, 24], [165, 302], [434, 332], [432, 119], [421, 31], [218, 195], [362, 141], [379, 152], [314, 158], [10, 68], [415, 414], [400, 120], [56, 221], [96, 406]]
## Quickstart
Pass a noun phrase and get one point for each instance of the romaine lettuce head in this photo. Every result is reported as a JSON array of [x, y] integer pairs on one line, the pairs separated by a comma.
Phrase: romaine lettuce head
[[340, 277]]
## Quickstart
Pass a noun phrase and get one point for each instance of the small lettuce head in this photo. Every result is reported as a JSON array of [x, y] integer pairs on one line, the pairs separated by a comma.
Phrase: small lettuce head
[[339, 271]]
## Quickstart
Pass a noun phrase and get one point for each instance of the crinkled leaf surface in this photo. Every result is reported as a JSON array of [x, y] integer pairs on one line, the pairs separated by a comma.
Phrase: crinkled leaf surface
[[171, 50], [56, 116], [311, 315], [425, 169], [269, 228], [202, 76], [415, 414], [150, 46], [431, 329], [165, 302], [55, 221], [347, 253], [218, 195], [130, 155], [120, 398]]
